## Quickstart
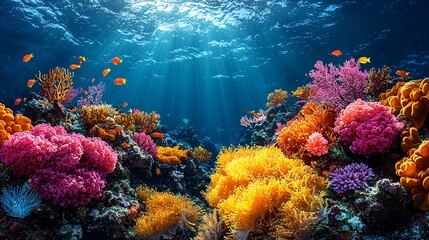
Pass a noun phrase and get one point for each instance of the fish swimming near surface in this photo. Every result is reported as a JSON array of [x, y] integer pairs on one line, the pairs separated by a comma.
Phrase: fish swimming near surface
[[120, 81], [116, 60], [74, 66], [105, 72], [336, 53], [30, 83], [27, 57], [364, 60], [402, 73]]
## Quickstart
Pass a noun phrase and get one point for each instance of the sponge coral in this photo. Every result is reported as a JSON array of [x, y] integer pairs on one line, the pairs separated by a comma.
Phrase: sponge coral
[[164, 213], [368, 127], [256, 188], [67, 168], [10, 124], [410, 99]]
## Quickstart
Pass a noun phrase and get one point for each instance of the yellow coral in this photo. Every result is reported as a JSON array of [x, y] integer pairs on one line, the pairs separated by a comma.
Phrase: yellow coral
[[212, 227], [165, 212], [303, 92], [255, 187], [410, 99], [10, 124], [276, 97], [172, 155], [56, 83], [202, 155], [95, 114]]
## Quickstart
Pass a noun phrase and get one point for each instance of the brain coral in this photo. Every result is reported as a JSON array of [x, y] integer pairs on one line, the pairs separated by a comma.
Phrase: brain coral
[[67, 168], [368, 127], [259, 189]]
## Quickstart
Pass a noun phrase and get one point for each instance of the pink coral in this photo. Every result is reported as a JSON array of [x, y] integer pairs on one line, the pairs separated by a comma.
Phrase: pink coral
[[68, 168], [368, 127], [317, 144], [146, 143]]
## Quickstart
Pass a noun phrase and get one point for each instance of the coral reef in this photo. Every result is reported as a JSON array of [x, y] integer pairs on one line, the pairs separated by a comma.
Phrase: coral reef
[[259, 189], [10, 124], [94, 114], [377, 81], [146, 143], [55, 84], [277, 97], [368, 127], [202, 155], [172, 155], [212, 228], [350, 177]]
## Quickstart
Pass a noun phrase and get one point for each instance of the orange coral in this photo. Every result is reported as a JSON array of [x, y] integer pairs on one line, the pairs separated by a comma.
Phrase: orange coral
[[313, 117], [258, 188], [410, 139], [10, 124], [414, 173], [410, 99], [95, 114], [56, 83], [303, 92], [172, 155], [127, 121], [164, 213], [145, 122], [276, 97]]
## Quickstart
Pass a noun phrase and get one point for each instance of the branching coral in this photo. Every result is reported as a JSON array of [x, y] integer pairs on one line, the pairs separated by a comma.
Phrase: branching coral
[[95, 114], [410, 99], [126, 120], [172, 155], [10, 124], [56, 83], [255, 189], [377, 80], [145, 122], [312, 118], [164, 213], [276, 97], [202, 155]]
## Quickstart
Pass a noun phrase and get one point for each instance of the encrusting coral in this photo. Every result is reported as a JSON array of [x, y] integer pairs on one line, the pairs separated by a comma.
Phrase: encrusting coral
[[56, 83], [172, 155], [410, 99], [164, 213], [10, 124], [259, 189]]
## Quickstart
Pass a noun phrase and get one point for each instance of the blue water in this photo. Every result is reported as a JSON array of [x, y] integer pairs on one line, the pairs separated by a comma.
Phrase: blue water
[[205, 61]]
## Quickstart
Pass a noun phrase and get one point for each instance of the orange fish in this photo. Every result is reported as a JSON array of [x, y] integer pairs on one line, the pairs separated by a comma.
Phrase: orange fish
[[336, 53], [120, 81], [116, 60], [105, 72], [157, 135], [125, 145], [74, 66], [272, 114], [92, 80], [85, 92], [125, 104], [18, 101], [81, 59], [27, 57], [402, 73], [74, 110], [30, 83], [118, 129], [25, 99], [253, 113], [133, 212], [158, 171]]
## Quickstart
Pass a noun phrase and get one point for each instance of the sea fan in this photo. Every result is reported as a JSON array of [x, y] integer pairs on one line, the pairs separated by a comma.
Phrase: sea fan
[[19, 201]]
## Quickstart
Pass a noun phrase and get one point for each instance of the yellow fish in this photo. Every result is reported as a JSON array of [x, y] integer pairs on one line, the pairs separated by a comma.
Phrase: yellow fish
[[364, 60]]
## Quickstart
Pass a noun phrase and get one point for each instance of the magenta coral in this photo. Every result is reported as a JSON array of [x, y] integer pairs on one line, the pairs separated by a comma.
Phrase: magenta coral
[[146, 143], [368, 127], [317, 144], [338, 86], [67, 168]]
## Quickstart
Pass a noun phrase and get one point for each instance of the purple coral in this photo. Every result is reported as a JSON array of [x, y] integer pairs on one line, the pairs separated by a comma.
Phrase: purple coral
[[368, 127], [338, 86], [95, 93], [67, 168], [146, 143], [350, 177]]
